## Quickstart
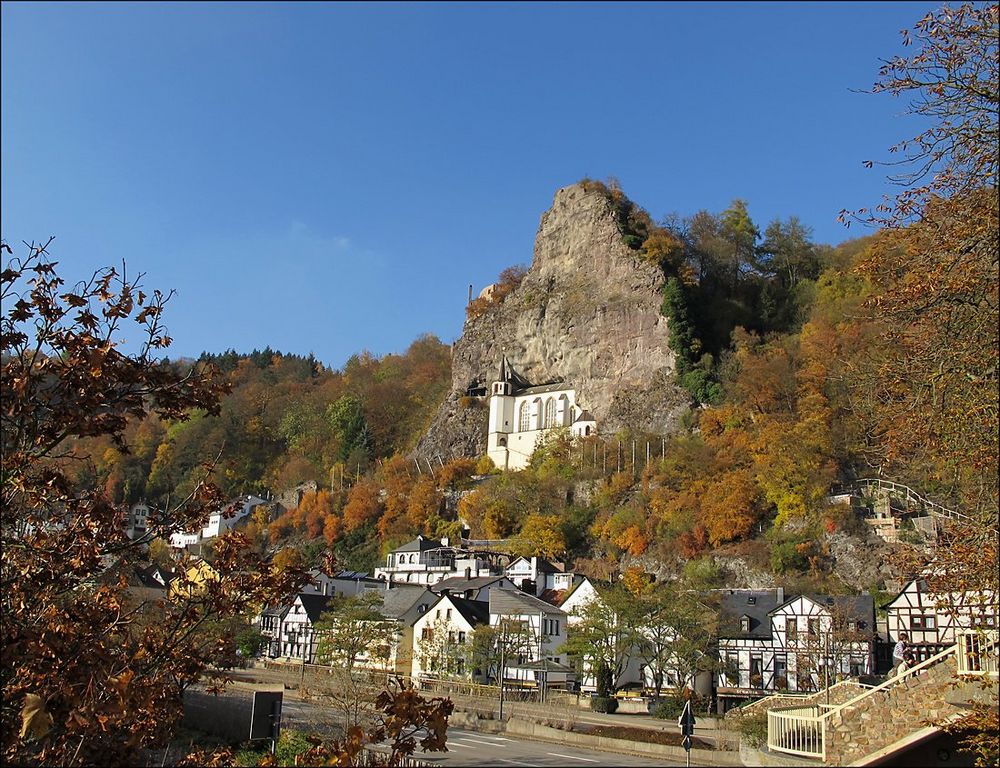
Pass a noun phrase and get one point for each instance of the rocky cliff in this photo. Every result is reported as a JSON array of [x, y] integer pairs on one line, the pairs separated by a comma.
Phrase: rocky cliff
[[587, 313]]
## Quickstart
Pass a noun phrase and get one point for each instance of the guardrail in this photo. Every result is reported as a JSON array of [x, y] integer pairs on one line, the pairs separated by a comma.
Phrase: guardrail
[[977, 654]]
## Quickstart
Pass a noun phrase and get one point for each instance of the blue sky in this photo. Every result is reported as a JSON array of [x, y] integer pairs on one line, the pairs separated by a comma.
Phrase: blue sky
[[328, 178]]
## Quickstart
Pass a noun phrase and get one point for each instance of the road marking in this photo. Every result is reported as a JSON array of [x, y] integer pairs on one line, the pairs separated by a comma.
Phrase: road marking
[[515, 762], [463, 746], [585, 759], [477, 741]]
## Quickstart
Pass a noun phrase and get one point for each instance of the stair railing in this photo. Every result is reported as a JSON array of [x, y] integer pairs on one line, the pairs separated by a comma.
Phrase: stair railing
[[802, 730]]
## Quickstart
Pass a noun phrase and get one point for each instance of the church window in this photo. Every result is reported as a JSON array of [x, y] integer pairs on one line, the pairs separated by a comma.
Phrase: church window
[[572, 414], [550, 413], [524, 418]]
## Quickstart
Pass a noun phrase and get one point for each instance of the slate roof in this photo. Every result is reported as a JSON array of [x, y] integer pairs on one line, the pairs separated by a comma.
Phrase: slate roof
[[314, 605], [860, 608], [758, 604], [508, 603], [584, 416], [401, 602], [419, 544], [148, 576], [558, 386], [473, 611]]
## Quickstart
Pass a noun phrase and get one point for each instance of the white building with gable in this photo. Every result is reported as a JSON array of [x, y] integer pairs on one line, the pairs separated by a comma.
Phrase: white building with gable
[[520, 414]]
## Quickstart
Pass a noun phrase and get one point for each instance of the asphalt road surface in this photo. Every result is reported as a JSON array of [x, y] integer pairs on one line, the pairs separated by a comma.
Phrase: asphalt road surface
[[471, 748]]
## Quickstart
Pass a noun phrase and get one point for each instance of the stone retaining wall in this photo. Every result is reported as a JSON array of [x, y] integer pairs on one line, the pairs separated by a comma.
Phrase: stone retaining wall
[[889, 715]]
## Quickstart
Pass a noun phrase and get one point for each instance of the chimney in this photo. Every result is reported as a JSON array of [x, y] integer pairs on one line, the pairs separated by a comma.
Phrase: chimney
[[780, 594], [468, 572]]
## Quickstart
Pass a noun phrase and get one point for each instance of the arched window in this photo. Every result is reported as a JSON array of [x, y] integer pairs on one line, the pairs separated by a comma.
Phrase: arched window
[[562, 411], [572, 414], [524, 418], [550, 413]]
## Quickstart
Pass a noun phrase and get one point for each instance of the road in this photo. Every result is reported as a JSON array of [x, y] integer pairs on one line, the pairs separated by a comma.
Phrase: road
[[471, 748]]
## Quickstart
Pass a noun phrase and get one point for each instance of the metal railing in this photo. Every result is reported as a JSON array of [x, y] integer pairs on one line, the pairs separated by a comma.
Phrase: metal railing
[[977, 653], [911, 496]]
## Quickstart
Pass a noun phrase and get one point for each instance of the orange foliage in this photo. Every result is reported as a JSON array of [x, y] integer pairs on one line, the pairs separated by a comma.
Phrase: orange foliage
[[730, 507], [362, 505], [332, 528]]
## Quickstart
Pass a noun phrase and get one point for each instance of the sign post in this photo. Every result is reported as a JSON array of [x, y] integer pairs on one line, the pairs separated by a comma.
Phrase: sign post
[[686, 723], [265, 716]]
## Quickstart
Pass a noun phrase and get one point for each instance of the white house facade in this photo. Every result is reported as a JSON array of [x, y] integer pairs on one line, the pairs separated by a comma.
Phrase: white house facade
[[442, 637], [520, 414], [538, 664], [769, 644], [931, 620]]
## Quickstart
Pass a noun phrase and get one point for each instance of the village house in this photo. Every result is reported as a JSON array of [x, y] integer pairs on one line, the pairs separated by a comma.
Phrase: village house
[[218, 522], [767, 643], [931, 620], [442, 636], [428, 561], [342, 584], [298, 637], [521, 414], [477, 588], [538, 662], [537, 575]]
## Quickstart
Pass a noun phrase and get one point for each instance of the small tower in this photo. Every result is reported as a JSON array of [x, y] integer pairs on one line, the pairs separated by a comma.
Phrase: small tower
[[504, 385]]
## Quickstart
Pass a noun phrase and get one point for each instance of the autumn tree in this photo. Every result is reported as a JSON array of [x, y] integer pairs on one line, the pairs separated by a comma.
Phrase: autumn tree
[[353, 628], [120, 668], [928, 393], [601, 638]]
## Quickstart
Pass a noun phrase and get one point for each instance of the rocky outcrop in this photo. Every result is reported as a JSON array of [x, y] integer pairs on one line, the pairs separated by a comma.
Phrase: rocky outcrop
[[587, 313]]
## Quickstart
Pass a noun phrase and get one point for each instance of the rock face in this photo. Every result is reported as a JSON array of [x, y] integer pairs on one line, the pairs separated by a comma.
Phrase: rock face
[[587, 313]]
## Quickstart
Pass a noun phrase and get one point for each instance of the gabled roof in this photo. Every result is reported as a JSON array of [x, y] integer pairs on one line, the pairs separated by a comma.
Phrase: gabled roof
[[541, 565], [276, 610], [858, 607], [584, 416], [473, 611], [757, 604], [419, 544], [401, 599], [505, 602], [314, 605], [154, 576]]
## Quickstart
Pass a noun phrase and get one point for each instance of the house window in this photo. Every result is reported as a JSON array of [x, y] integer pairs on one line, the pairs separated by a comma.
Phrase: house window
[[922, 622], [857, 666], [814, 626], [852, 626], [550, 412], [791, 628], [524, 418], [756, 676], [461, 638], [555, 627], [447, 614]]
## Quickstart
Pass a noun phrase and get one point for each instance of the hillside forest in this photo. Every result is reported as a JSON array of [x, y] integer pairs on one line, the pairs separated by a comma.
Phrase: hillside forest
[[781, 342]]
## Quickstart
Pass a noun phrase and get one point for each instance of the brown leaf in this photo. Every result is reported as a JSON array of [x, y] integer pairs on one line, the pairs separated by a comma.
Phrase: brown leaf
[[35, 721]]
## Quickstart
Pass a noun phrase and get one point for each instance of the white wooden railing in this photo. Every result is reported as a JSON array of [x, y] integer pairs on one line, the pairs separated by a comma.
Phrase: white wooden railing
[[977, 653], [802, 730], [797, 731]]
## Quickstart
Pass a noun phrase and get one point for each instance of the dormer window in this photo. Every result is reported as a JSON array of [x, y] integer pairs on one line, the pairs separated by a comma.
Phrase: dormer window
[[744, 624], [852, 626]]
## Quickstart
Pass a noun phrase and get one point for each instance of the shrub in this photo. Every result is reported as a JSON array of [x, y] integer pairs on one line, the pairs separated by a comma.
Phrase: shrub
[[672, 704], [752, 727], [604, 704]]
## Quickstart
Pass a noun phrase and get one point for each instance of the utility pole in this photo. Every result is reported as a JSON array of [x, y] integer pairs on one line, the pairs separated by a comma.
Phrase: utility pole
[[503, 661]]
